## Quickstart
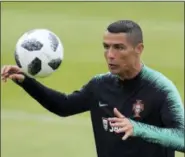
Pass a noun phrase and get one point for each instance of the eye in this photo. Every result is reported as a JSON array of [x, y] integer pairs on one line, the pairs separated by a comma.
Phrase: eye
[[119, 47], [106, 46]]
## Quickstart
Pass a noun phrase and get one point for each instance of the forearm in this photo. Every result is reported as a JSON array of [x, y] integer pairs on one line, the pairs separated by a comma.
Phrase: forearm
[[168, 137], [56, 102]]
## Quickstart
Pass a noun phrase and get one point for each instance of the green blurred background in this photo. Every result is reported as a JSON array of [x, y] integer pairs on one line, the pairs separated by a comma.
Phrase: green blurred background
[[29, 130]]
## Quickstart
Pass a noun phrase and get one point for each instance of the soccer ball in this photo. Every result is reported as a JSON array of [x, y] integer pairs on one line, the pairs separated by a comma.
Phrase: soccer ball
[[39, 52]]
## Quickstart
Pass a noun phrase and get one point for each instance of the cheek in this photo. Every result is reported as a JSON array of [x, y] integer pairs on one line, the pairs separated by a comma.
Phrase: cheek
[[126, 59], [128, 55], [123, 56]]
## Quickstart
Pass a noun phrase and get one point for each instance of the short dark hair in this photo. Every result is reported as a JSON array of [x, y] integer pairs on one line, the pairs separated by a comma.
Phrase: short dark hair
[[129, 27]]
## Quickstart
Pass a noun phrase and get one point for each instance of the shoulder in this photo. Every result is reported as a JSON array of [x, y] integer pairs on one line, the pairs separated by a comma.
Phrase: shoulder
[[98, 81], [158, 79], [104, 78], [161, 83]]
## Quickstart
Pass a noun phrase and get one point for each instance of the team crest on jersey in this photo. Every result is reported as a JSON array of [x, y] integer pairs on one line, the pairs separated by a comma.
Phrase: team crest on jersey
[[105, 123], [138, 107]]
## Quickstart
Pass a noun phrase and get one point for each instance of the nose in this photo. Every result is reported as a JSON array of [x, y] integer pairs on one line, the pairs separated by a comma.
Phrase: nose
[[110, 53]]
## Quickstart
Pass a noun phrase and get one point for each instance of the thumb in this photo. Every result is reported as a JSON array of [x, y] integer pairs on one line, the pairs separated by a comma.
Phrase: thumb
[[127, 134], [17, 77], [118, 114]]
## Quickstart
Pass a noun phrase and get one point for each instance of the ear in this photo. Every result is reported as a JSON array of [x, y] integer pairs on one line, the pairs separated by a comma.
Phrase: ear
[[139, 48]]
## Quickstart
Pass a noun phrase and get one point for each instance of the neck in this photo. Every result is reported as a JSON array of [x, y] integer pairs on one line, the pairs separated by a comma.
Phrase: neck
[[132, 72]]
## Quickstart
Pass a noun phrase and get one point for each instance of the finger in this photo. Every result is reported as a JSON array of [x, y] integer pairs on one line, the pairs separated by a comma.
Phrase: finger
[[6, 70], [5, 75], [18, 77], [122, 130], [15, 68], [3, 70], [118, 114], [115, 119], [118, 124], [126, 136], [4, 79]]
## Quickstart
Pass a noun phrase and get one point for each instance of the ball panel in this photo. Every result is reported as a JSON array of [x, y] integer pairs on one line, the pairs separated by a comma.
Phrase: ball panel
[[32, 45], [53, 41], [45, 72], [34, 67], [55, 63]]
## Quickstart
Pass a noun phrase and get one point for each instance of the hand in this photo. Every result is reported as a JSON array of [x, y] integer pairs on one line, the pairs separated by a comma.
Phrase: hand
[[123, 123], [12, 72]]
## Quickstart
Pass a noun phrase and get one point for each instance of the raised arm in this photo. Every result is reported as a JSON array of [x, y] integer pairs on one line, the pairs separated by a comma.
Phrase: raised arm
[[54, 101], [57, 102]]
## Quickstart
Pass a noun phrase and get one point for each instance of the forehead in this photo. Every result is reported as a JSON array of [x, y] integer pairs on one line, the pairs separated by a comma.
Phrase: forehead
[[115, 38]]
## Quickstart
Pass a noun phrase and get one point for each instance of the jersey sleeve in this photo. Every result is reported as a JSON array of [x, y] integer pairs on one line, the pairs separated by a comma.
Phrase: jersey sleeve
[[57, 102], [171, 135]]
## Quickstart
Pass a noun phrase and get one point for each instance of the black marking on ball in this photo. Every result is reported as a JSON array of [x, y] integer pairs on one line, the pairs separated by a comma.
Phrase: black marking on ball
[[17, 59], [32, 45], [53, 41], [55, 63], [34, 67]]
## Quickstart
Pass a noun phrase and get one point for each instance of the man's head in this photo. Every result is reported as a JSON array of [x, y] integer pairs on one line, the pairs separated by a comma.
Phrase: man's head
[[123, 45]]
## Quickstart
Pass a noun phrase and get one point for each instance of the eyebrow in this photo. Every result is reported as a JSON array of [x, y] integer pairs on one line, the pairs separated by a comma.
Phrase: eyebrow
[[114, 44]]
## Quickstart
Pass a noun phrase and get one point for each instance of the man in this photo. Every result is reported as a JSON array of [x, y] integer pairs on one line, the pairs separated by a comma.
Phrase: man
[[134, 109]]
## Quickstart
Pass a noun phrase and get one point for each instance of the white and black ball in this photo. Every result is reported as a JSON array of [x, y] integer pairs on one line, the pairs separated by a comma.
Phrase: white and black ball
[[39, 52]]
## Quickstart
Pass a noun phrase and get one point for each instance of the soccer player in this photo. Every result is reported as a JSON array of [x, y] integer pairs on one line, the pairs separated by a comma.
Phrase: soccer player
[[135, 110]]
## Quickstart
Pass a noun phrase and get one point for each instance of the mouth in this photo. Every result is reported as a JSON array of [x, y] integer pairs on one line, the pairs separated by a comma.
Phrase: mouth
[[113, 66]]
